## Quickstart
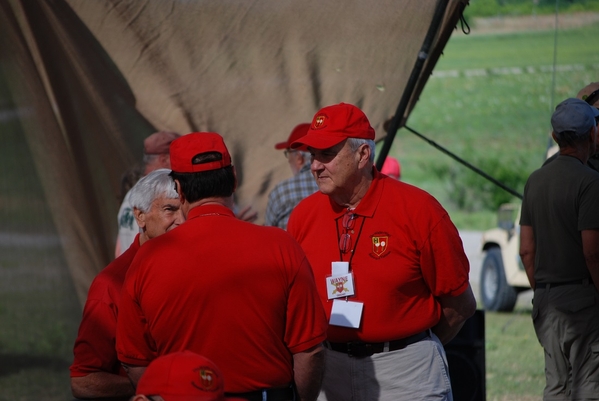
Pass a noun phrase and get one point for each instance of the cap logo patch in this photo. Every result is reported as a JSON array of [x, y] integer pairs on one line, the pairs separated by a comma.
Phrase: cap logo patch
[[208, 379], [319, 121]]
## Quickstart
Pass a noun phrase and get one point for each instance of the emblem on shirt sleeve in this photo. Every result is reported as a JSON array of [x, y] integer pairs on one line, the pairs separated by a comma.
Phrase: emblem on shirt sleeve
[[380, 244]]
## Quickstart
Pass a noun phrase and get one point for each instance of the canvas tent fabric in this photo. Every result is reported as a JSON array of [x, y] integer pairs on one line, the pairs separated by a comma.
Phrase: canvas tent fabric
[[89, 80]]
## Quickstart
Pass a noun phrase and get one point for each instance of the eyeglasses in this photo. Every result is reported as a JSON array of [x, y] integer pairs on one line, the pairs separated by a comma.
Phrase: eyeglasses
[[345, 242], [592, 98], [287, 152]]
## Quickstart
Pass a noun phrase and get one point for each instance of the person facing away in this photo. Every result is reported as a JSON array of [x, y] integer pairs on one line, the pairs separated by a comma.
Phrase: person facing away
[[287, 194], [181, 376], [559, 247], [389, 267], [155, 156], [590, 94], [96, 371], [240, 294]]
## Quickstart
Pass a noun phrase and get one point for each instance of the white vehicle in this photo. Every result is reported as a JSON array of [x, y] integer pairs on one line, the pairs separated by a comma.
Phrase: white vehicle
[[502, 275]]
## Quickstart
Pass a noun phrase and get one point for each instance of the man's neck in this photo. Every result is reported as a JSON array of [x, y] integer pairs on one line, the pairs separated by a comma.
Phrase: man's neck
[[226, 202], [352, 200], [578, 153]]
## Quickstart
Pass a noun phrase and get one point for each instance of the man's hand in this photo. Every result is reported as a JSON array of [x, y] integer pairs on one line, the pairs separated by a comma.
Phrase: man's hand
[[134, 373]]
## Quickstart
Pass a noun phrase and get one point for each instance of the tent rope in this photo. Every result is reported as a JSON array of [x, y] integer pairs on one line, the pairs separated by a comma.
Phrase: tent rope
[[465, 163]]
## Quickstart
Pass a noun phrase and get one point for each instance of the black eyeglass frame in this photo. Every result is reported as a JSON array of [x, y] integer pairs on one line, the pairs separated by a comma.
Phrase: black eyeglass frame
[[592, 97], [287, 152]]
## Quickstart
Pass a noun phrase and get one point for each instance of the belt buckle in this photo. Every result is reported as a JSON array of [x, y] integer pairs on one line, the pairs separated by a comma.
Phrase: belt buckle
[[358, 349]]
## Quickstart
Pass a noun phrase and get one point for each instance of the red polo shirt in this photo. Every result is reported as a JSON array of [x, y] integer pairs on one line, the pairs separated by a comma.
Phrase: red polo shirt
[[240, 294], [407, 253]]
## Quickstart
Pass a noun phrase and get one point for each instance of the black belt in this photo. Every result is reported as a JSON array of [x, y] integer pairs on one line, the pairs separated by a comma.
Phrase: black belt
[[271, 394], [360, 349], [584, 281]]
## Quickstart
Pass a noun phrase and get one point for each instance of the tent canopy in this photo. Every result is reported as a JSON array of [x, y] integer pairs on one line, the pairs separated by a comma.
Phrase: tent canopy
[[89, 80]]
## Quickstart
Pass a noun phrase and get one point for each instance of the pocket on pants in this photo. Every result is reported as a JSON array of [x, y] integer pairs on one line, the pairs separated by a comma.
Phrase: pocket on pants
[[576, 305]]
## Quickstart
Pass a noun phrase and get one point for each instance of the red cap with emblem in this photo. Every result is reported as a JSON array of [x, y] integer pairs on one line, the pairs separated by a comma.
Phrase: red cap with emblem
[[333, 124], [184, 150], [182, 376]]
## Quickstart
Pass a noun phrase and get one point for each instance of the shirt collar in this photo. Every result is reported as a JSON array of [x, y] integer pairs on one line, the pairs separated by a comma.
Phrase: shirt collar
[[210, 209]]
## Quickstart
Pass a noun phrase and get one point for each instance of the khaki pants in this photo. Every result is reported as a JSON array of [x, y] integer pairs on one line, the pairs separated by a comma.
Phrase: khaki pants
[[417, 372], [566, 320]]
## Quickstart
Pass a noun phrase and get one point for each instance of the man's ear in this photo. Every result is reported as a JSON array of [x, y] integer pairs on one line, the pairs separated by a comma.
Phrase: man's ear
[[140, 217], [364, 153], [179, 192], [234, 175]]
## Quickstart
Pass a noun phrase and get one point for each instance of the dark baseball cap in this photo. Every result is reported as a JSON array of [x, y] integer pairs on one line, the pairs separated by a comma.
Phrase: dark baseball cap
[[574, 115]]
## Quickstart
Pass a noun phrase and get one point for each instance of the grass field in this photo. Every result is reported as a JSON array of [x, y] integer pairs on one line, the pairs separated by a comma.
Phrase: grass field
[[490, 100]]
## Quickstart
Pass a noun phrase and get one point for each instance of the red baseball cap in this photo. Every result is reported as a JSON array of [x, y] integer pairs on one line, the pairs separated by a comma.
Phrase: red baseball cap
[[158, 143], [182, 376], [333, 124], [186, 148], [299, 131]]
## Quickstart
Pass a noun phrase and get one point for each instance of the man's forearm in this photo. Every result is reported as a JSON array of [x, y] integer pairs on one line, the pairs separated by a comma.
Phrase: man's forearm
[[455, 312], [101, 385], [528, 252], [308, 367]]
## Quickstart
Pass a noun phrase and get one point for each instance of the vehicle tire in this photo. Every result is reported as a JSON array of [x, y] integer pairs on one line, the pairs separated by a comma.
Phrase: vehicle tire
[[496, 294]]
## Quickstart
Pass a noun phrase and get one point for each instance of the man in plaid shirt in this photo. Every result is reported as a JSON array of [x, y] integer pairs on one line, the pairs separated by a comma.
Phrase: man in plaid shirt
[[287, 194]]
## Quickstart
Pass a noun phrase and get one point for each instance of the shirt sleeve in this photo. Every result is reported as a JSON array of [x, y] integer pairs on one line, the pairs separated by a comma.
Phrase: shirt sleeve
[[134, 343], [306, 320], [444, 263], [271, 218], [94, 349]]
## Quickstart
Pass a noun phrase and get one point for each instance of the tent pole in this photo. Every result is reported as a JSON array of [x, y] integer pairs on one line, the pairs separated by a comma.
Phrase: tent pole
[[397, 121]]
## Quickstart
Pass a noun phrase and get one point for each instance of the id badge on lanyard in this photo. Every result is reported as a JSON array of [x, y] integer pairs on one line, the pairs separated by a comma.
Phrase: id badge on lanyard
[[340, 284]]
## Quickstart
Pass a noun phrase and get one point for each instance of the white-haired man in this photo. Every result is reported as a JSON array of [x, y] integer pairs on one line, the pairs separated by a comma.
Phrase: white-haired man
[[96, 371]]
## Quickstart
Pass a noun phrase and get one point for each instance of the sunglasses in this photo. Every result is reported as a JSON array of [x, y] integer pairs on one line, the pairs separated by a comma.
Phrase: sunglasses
[[592, 98], [349, 221]]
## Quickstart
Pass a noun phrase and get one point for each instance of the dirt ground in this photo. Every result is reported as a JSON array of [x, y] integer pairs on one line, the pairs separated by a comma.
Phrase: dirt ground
[[532, 22]]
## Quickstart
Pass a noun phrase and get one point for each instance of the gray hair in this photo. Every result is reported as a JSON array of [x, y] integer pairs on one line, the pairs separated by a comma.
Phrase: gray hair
[[355, 143], [154, 185]]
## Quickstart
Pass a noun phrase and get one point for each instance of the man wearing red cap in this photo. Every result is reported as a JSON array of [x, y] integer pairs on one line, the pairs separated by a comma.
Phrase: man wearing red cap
[[240, 294], [287, 194], [389, 267], [182, 376], [96, 372]]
